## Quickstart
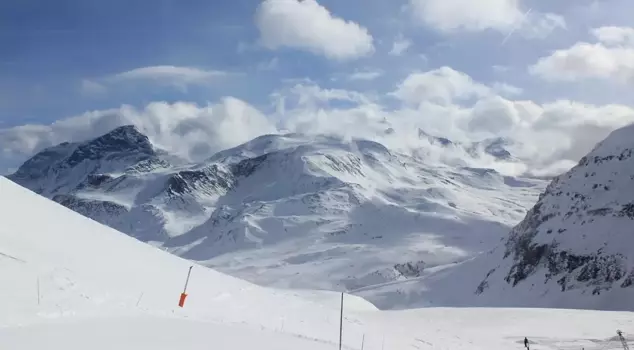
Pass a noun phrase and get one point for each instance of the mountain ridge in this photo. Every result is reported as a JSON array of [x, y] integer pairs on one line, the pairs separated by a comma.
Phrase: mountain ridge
[[571, 250], [294, 210]]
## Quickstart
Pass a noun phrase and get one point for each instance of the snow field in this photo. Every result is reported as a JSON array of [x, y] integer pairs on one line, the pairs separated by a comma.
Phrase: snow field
[[100, 289]]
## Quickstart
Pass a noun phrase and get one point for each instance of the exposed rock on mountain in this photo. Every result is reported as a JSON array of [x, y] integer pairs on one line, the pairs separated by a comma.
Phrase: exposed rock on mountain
[[287, 210], [577, 239]]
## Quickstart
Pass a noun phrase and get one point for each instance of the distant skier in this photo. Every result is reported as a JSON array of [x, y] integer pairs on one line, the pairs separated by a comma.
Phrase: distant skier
[[526, 343]]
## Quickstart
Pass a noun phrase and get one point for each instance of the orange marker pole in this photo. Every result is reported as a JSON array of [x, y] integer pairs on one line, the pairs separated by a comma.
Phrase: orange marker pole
[[181, 301]]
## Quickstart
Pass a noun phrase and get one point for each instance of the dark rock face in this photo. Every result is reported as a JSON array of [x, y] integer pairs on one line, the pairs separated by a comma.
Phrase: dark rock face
[[248, 166], [118, 142], [211, 179], [77, 162], [99, 211], [410, 269], [497, 150]]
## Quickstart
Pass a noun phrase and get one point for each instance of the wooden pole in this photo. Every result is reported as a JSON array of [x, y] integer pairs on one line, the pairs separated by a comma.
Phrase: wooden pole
[[341, 323]]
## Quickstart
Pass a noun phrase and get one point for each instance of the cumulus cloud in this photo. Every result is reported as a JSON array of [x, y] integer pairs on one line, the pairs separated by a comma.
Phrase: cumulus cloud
[[546, 137], [611, 58], [441, 86], [186, 129], [614, 35], [505, 16], [309, 26]]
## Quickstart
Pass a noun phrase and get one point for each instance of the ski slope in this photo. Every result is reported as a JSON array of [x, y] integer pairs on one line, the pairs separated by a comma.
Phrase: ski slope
[[70, 283]]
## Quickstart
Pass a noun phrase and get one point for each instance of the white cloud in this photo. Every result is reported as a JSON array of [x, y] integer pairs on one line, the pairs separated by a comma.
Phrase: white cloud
[[306, 25], [186, 129], [540, 25], [179, 77], [441, 86], [548, 136], [614, 35], [400, 45], [312, 96], [505, 16], [612, 58]]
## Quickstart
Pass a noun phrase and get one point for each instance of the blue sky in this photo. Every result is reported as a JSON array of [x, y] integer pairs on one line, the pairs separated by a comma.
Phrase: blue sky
[[64, 58]]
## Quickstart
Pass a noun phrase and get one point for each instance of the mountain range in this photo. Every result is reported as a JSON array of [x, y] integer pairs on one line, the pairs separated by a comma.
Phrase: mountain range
[[319, 212], [288, 210], [571, 250]]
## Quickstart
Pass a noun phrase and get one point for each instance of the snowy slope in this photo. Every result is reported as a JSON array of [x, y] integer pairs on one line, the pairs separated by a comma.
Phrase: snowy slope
[[87, 271], [289, 210], [573, 249], [577, 240], [100, 289]]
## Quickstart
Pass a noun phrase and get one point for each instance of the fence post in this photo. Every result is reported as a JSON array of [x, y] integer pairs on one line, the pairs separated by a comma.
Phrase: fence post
[[341, 322]]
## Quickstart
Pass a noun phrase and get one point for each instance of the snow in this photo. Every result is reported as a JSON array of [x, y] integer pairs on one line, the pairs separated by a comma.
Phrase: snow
[[307, 212], [572, 250], [101, 289]]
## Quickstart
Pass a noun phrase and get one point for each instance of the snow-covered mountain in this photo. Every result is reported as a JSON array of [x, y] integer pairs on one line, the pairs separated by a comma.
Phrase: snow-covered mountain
[[573, 249], [497, 147], [287, 210], [74, 284], [579, 237]]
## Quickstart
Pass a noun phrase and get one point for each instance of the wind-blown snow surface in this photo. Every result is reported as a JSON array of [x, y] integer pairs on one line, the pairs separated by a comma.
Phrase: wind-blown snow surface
[[100, 289], [288, 210], [574, 249]]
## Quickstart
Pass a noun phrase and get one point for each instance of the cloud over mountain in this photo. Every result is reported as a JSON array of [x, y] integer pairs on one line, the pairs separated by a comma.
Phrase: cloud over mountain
[[549, 137]]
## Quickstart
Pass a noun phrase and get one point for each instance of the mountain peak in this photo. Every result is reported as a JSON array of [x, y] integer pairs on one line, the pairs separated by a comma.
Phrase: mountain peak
[[113, 151], [124, 138], [120, 141]]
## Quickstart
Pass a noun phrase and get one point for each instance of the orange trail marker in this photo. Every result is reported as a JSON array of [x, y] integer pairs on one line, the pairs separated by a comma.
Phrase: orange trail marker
[[181, 301]]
